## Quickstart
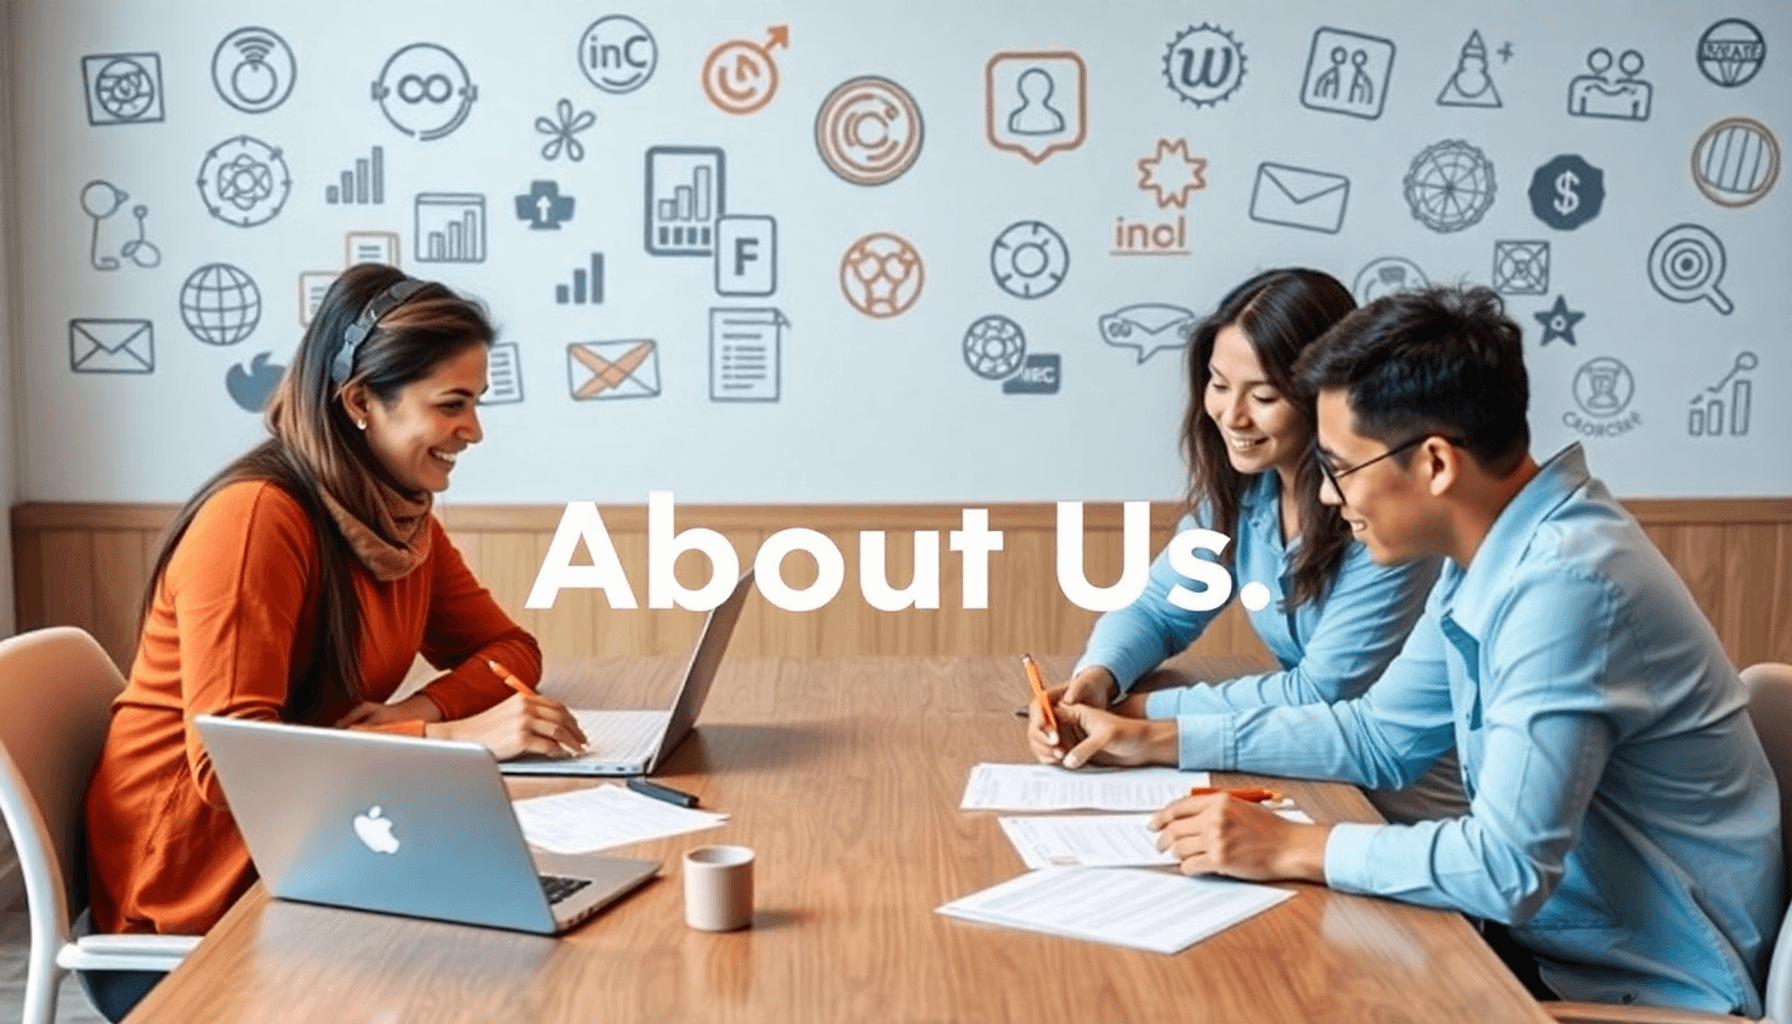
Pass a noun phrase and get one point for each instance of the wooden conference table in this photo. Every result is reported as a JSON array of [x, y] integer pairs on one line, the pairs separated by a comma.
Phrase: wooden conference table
[[845, 775]]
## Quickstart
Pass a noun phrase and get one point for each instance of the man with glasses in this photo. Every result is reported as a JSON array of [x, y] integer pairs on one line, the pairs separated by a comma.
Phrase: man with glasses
[[1623, 829]]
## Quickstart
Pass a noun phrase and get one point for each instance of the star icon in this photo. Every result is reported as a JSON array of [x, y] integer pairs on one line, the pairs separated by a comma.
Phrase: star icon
[[1172, 173], [1558, 322]]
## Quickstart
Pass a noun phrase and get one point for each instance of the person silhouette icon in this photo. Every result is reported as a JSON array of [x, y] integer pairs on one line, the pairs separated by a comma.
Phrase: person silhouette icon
[[1035, 115], [1326, 86], [1362, 87]]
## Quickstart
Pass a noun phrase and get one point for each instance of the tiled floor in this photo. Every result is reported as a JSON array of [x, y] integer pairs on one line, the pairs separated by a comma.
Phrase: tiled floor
[[71, 1007]]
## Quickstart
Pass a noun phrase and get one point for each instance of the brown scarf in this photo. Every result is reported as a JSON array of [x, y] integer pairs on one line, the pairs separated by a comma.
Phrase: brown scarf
[[397, 541]]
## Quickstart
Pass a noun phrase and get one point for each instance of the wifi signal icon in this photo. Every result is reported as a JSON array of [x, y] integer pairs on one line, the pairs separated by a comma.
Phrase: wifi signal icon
[[253, 70]]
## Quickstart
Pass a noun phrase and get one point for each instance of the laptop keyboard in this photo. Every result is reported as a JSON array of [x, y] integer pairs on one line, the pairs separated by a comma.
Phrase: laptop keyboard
[[558, 887]]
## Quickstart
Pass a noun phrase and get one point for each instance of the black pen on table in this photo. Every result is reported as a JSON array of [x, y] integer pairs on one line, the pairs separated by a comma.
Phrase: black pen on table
[[658, 792]]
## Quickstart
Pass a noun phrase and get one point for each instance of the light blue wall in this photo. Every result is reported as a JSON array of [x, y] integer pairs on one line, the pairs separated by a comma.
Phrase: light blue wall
[[879, 409]]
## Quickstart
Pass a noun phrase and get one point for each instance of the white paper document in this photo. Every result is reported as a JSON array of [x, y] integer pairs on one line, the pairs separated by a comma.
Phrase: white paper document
[[604, 816], [1093, 840], [1138, 907], [1045, 787]]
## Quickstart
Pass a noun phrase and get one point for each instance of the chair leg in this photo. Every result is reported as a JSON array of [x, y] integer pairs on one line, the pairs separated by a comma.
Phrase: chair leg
[[42, 979]]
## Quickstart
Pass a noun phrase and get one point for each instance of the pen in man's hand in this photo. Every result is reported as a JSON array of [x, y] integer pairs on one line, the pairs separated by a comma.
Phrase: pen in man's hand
[[1040, 697]]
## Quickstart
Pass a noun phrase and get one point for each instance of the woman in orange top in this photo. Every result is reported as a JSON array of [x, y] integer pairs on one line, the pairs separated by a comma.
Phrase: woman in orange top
[[299, 585]]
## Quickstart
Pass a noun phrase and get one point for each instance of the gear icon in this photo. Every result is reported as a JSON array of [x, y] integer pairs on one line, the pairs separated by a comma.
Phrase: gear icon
[[1204, 64]]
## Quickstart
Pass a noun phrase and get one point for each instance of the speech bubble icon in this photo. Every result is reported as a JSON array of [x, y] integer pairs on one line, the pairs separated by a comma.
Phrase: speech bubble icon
[[1035, 102], [1149, 327]]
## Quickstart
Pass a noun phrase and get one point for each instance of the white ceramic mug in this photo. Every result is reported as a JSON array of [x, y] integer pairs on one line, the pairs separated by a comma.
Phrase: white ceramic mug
[[718, 888]]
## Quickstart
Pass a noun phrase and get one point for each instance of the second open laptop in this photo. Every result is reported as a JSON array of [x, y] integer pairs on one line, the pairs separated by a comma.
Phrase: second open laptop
[[636, 742], [399, 825]]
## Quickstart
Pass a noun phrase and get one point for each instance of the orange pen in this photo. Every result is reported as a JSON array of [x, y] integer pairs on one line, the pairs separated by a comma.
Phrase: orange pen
[[1253, 795], [1038, 684], [509, 677]]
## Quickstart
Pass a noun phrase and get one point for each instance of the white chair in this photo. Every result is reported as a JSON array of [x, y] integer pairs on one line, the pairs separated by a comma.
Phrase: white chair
[[1770, 705], [56, 690]]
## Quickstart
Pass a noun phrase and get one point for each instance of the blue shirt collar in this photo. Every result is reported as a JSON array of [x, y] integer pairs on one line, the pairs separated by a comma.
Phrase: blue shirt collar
[[1477, 589]]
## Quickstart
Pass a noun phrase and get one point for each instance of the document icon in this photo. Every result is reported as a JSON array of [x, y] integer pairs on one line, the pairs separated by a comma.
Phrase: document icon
[[111, 346], [603, 370], [744, 354], [504, 374], [1299, 198]]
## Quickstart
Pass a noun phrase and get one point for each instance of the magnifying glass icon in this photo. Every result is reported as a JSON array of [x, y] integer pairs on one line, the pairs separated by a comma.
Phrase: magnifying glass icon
[[1687, 264]]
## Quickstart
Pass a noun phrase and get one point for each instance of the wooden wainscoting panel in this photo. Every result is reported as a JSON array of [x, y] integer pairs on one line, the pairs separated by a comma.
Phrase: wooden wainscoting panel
[[85, 565]]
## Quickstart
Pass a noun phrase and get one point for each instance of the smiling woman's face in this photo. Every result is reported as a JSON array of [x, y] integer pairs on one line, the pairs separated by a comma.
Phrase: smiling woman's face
[[418, 437], [1261, 427]]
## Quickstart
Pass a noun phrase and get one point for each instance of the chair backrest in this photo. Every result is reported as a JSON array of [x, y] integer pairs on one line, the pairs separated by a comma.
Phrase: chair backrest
[[1770, 706], [56, 692]]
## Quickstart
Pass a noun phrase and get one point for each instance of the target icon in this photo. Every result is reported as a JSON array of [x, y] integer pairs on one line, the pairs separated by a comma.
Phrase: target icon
[[994, 347], [881, 275], [1736, 162], [1687, 264], [1029, 259], [868, 131], [1450, 186]]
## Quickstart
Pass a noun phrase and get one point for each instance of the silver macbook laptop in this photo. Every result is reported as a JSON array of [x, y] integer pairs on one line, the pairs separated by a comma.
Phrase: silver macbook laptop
[[399, 825], [637, 742]]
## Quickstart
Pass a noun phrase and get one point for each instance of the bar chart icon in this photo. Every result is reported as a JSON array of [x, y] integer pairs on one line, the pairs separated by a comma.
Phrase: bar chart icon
[[1726, 404], [450, 228], [684, 199], [363, 185], [587, 287]]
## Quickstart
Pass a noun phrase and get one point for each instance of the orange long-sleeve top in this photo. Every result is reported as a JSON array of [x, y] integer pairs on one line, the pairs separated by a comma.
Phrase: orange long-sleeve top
[[230, 626]]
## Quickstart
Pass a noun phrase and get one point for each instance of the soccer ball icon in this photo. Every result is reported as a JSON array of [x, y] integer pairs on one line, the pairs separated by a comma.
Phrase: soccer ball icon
[[881, 275]]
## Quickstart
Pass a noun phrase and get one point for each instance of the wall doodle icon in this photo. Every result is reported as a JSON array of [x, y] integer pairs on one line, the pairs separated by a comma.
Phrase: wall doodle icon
[[1521, 267], [1706, 417], [253, 70], [543, 208], [1731, 52], [99, 345], [587, 285], [685, 189], [607, 370], [504, 374], [746, 255], [1623, 97], [364, 184], [1385, 276], [1736, 162], [1470, 85], [1171, 172], [740, 76], [1036, 102], [868, 130], [1297, 197], [618, 54], [425, 91], [562, 131], [123, 88], [1603, 388], [1558, 322], [1039, 375], [450, 227], [1567, 192], [1687, 264], [1204, 64], [250, 386], [881, 275], [1029, 259], [220, 304], [745, 354], [1450, 186], [244, 181], [1347, 73], [994, 347], [1147, 327], [102, 199]]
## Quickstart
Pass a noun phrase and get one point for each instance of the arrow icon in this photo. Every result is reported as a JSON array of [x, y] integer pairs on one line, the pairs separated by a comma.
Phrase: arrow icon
[[780, 36], [543, 206]]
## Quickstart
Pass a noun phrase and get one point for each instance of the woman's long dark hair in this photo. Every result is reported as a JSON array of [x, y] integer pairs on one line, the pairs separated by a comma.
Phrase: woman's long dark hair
[[1281, 312], [315, 448]]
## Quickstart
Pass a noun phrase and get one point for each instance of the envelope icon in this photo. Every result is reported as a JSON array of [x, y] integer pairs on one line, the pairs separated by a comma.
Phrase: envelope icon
[[603, 370], [111, 346], [1299, 198]]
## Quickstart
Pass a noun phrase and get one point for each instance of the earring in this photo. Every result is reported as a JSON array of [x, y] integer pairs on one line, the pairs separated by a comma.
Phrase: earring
[[360, 424]]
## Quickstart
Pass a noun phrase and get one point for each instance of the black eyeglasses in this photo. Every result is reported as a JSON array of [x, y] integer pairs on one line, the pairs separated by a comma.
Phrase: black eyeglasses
[[1332, 476]]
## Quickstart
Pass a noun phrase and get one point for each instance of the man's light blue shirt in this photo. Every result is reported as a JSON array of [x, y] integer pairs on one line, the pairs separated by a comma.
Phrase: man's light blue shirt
[[1624, 820]]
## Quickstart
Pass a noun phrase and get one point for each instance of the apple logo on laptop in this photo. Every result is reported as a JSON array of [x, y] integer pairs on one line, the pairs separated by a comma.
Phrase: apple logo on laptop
[[375, 831]]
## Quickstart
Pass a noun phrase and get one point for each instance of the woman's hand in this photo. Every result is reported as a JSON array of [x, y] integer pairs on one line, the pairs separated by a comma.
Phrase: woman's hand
[[527, 723], [1094, 736], [416, 708]]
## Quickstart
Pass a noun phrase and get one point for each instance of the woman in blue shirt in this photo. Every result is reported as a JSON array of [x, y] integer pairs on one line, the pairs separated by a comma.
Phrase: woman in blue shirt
[[1331, 617]]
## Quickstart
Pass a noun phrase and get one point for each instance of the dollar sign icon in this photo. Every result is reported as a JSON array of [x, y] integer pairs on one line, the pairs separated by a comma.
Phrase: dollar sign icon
[[1566, 192], [1566, 200]]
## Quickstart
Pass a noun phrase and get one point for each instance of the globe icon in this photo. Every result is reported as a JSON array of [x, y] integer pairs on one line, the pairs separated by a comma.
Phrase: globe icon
[[1449, 186], [220, 304]]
